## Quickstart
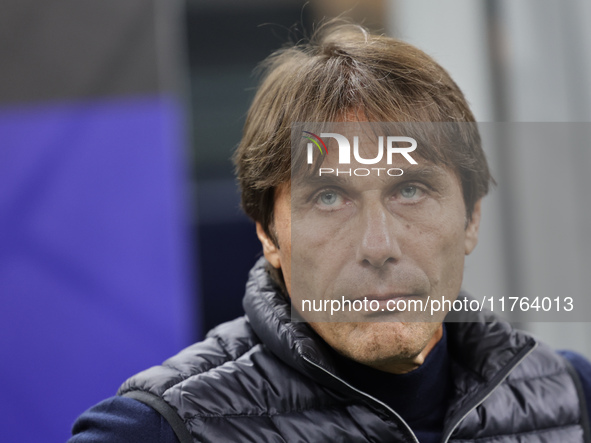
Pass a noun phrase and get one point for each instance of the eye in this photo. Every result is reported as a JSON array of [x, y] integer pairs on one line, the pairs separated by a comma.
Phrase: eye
[[409, 194], [329, 200], [409, 191]]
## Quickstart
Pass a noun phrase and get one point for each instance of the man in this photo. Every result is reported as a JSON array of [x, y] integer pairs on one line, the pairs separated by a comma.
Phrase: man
[[379, 376]]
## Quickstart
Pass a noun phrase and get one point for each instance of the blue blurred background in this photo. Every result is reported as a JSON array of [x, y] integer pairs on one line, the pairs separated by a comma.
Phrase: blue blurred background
[[121, 236]]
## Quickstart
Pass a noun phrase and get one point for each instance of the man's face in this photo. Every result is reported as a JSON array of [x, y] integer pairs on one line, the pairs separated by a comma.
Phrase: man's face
[[379, 237]]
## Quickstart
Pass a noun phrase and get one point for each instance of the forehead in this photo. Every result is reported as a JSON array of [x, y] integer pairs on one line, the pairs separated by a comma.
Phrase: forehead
[[363, 154], [359, 143]]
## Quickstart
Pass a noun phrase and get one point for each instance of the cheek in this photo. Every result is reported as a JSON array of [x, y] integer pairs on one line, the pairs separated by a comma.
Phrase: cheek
[[438, 249], [320, 255], [451, 261]]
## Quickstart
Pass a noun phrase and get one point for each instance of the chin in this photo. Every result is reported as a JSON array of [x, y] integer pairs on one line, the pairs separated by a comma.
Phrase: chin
[[380, 345]]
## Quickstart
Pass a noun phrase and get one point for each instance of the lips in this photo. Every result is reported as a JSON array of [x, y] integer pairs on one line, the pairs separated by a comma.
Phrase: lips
[[385, 297]]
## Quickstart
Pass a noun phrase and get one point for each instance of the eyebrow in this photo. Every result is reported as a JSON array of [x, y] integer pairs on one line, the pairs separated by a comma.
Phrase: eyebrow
[[430, 172]]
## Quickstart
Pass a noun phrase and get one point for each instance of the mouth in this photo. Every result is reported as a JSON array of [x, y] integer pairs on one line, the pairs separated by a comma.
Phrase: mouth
[[386, 297]]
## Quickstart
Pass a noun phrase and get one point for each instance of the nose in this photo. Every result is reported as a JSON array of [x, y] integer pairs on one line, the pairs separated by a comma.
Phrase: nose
[[378, 243]]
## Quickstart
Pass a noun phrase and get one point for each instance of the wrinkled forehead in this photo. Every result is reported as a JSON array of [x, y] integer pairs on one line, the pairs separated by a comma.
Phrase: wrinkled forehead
[[356, 149]]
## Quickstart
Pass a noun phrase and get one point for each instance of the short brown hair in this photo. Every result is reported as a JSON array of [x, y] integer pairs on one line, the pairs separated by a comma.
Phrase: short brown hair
[[344, 68]]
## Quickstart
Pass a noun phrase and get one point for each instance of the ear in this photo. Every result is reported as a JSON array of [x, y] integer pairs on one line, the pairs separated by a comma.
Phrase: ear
[[270, 250], [471, 237]]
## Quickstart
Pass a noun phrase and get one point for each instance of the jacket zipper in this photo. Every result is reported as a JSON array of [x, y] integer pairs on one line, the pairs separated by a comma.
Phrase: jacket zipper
[[500, 378], [466, 410], [414, 437]]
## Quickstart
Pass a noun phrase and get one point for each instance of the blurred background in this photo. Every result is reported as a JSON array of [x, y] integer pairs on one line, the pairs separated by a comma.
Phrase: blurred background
[[121, 236]]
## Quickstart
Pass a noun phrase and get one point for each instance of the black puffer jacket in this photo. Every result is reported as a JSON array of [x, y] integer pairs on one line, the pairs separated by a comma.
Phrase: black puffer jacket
[[263, 378]]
